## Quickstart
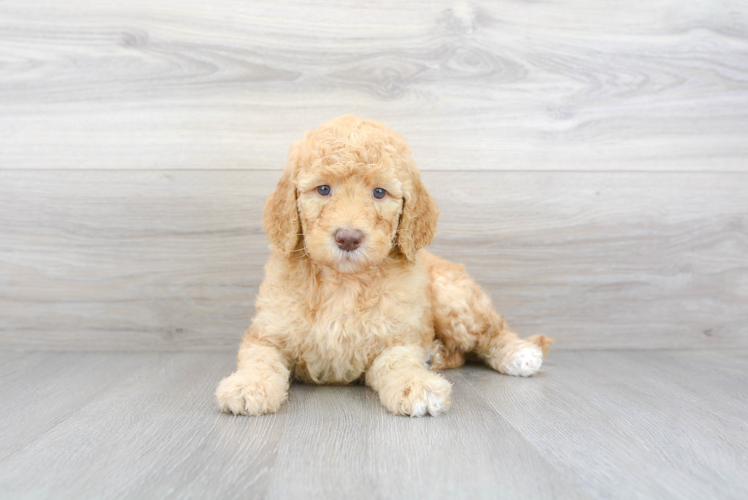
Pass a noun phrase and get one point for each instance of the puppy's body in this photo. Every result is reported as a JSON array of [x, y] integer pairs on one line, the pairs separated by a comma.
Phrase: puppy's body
[[331, 325], [349, 294]]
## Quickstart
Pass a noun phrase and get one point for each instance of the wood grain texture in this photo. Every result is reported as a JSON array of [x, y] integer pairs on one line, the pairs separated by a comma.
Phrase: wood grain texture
[[359, 450], [50, 389], [625, 424], [497, 85], [172, 260], [154, 431], [634, 424]]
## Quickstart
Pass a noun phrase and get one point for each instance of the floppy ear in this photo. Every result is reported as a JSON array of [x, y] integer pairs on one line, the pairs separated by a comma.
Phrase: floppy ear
[[418, 220], [280, 216]]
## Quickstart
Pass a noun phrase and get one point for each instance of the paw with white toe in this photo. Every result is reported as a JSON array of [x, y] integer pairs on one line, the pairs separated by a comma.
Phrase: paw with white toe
[[251, 393], [522, 362], [429, 394]]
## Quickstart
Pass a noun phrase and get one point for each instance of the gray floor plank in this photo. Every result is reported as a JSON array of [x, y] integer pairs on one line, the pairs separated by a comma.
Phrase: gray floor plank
[[614, 426], [8, 357], [41, 390], [668, 424], [341, 443], [209, 454], [713, 381], [155, 433]]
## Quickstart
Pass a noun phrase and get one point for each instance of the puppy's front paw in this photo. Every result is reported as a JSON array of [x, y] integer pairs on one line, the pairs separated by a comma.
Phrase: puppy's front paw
[[524, 361], [250, 394], [427, 394]]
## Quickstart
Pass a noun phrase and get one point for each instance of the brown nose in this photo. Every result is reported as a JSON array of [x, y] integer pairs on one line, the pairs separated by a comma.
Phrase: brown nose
[[348, 239]]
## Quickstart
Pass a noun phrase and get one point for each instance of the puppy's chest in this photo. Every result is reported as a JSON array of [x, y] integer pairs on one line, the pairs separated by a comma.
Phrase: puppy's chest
[[344, 322], [343, 333]]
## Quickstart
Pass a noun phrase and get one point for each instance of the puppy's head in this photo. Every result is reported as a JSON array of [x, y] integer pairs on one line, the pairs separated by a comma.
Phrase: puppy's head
[[350, 196]]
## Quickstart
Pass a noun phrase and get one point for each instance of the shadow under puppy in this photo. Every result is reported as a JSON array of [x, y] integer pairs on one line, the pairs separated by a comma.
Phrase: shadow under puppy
[[349, 293]]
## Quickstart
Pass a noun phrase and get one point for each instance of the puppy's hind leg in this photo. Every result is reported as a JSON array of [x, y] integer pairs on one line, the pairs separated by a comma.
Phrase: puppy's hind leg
[[466, 322], [505, 352]]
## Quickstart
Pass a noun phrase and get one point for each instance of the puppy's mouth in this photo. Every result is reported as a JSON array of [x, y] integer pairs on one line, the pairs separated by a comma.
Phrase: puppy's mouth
[[356, 255], [348, 261]]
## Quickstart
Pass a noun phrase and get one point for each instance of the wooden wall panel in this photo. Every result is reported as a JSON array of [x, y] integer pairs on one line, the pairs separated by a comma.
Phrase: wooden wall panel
[[480, 85], [172, 259], [590, 158]]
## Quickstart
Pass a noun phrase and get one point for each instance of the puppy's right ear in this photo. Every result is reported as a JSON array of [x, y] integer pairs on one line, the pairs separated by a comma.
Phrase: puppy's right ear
[[280, 216]]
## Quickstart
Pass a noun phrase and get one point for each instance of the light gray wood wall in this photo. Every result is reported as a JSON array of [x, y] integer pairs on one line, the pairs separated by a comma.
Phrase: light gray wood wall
[[590, 159]]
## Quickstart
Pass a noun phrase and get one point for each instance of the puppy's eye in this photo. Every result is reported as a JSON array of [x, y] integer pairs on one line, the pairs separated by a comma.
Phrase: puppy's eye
[[324, 190], [379, 193]]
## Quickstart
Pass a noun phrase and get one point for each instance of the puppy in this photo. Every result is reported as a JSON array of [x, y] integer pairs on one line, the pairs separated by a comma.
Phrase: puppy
[[349, 294]]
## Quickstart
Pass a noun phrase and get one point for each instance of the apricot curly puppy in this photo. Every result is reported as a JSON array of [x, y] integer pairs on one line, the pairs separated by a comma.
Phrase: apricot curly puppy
[[349, 294]]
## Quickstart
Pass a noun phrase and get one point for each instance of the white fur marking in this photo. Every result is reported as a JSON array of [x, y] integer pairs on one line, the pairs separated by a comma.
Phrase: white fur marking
[[525, 361], [436, 404], [419, 408], [429, 403]]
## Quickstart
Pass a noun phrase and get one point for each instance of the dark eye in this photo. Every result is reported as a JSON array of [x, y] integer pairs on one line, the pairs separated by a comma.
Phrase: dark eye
[[379, 193], [324, 190]]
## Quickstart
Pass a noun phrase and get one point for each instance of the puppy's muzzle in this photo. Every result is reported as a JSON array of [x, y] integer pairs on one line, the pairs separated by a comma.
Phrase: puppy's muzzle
[[348, 240]]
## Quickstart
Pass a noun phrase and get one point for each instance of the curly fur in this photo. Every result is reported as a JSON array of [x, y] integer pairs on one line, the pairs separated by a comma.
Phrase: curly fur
[[387, 313]]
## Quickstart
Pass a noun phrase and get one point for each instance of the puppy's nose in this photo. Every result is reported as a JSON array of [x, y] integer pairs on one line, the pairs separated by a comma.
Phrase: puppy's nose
[[348, 239]]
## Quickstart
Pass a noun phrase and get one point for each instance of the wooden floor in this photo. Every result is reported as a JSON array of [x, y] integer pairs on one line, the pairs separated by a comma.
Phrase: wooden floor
[[605, 424]]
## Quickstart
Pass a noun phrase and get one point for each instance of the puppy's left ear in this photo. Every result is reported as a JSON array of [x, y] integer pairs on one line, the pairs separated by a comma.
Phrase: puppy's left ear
[[418, 220], [280, 216]]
